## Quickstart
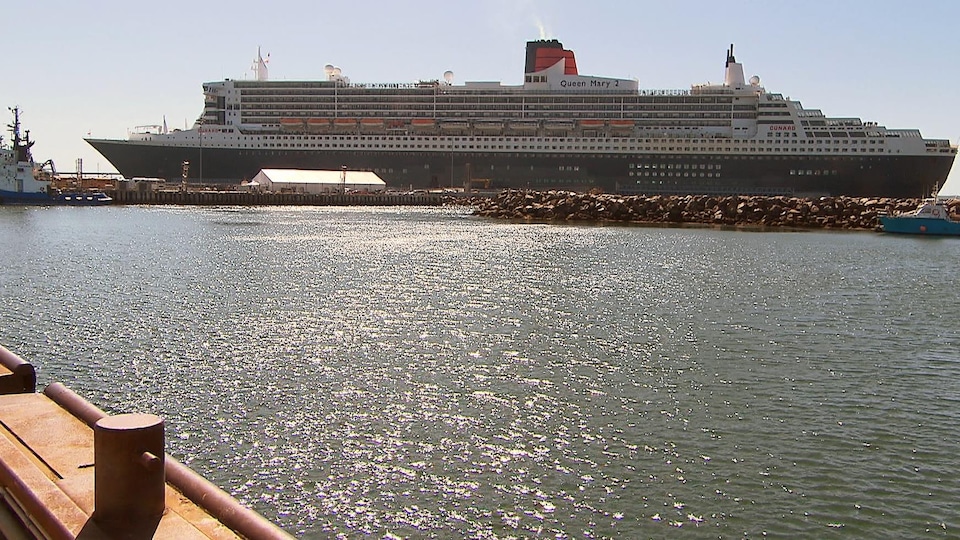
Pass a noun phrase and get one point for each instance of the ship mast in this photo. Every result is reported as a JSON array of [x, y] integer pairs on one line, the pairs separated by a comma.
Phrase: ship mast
[[21, 147]]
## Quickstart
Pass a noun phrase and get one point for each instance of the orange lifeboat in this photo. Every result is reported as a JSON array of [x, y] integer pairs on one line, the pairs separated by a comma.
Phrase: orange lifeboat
[[524, 125], [345, 122], [371, 123], [622, 124], [423, 123], [489, 126], [593, 124], [558, 125], [318, 124], [291, 124], [454, 124]]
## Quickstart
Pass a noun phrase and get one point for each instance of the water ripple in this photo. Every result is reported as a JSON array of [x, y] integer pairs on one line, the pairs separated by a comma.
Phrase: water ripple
[[422, 373]]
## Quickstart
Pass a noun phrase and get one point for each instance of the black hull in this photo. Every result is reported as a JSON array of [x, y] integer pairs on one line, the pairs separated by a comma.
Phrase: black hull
[[856, 176]]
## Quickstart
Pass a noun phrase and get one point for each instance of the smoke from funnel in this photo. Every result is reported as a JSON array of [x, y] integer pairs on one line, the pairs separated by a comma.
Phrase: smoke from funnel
[[544, 32]]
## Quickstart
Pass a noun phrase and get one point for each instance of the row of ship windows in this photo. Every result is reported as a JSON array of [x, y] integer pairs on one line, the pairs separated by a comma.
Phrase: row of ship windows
[[875, 137], [814, 172], [507, 168], [824, 140], [726, 142], [459, 146], [668, 166], [719, 141], [823, 134], [290, 108], [721, 144], [622, 156], [649, 123], [495, 97], [295, 108], [677, 174], [557, 181], [528, 113], [500, 113], [659, 125], [485, 139], [568, 147], [686, 174]]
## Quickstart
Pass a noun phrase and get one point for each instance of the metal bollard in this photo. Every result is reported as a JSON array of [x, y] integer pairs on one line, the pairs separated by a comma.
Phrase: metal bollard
[[129, 481], [22, 379]]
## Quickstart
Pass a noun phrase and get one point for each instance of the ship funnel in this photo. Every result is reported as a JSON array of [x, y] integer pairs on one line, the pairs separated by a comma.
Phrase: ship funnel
[[734, 74], [545, 53]]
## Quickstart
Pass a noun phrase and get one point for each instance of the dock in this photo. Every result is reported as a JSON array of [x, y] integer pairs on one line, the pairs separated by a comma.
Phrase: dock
[[68, 470], [240, 198]]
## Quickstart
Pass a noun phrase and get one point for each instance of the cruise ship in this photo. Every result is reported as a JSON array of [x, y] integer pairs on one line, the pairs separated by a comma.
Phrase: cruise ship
[[557, 130]]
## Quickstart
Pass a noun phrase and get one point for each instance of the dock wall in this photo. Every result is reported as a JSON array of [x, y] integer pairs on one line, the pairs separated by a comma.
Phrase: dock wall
[[238, 198]]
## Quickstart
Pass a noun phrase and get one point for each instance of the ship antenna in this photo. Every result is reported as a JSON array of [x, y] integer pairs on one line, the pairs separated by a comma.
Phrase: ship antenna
[[21, 146], [15, 127]]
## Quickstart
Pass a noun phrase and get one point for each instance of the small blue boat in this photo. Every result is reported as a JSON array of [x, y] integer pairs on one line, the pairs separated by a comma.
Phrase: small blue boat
[[97, 198], [931, 218]]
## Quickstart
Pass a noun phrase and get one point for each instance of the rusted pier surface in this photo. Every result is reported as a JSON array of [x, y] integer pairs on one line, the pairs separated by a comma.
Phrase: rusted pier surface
[[238, 198], [68, 470]]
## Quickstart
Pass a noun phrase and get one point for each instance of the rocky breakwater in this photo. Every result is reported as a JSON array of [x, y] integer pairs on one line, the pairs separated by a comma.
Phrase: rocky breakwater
[[736, 210]]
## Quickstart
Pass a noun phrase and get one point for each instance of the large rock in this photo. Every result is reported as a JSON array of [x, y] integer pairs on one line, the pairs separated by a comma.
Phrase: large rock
[[829, 212]]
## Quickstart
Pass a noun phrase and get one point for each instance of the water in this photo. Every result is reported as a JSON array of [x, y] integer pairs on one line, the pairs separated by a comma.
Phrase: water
[[412, 372]]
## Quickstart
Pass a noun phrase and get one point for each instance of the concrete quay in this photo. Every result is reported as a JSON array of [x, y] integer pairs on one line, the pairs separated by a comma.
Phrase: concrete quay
[[68, 470], [241, 198]]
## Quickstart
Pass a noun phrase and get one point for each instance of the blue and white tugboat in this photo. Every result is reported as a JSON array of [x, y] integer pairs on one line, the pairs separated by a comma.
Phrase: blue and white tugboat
[[22, 181], [931, 218]]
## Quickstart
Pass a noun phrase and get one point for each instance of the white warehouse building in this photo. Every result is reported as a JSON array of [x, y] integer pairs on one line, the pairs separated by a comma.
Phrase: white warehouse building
[[314, 181]]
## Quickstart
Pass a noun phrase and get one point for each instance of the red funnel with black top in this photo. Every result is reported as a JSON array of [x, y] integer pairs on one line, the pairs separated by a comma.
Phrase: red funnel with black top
[[544, 53]]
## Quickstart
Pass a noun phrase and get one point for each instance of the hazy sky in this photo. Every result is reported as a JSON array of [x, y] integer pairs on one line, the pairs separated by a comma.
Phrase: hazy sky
[[102, 67]]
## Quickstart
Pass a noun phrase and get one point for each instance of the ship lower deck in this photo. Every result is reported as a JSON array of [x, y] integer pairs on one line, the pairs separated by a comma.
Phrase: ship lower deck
[[798, 175]]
